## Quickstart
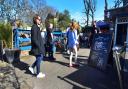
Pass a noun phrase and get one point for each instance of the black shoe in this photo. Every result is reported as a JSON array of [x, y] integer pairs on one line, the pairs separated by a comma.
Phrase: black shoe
[[53, 58]]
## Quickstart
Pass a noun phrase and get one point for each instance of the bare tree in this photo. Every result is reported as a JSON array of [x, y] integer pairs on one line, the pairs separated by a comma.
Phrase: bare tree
[[11, 9], [39, 7], [118, 3], [87, 10], [106, 8], [5, 6], [125, 2], [106, 4], [23, 9], [92, 8]]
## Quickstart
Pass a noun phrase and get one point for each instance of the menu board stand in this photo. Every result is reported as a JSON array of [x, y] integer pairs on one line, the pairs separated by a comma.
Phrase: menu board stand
[[100, 50]]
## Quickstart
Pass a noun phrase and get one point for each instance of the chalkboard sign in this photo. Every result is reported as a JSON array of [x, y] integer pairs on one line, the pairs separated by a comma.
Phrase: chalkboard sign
[[100, 49]]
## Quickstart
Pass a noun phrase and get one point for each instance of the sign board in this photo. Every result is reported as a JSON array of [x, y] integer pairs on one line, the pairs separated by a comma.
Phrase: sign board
[[100, 49]]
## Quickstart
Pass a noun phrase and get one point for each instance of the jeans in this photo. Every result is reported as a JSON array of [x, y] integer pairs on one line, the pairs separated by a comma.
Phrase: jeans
[[39, 58]]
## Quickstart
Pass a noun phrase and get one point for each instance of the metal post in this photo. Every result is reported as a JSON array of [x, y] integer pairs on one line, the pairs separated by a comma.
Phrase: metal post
[[118, 69], [115, 33], [116, 55]]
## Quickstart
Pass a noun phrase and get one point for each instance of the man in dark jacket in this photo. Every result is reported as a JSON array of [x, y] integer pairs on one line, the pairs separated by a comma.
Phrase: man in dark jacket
[[49, 41], [37, 46]]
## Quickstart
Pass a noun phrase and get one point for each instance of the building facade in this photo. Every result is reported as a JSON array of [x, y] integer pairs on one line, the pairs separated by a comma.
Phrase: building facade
[[118, 17]]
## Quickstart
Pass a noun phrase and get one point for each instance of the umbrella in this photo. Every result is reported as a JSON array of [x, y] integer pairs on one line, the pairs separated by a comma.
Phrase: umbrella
[[102, 24]]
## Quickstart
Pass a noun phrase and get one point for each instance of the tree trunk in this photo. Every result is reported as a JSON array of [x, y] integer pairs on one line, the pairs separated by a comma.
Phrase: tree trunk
[[92, 17], [106, 5], [87, 15]]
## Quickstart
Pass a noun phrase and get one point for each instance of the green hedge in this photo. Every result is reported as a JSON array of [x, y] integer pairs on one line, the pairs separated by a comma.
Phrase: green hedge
[[6, 34]]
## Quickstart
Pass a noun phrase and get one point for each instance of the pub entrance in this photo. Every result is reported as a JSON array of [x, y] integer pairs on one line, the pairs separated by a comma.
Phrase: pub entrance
[[121, 31], [121, 35], [121, 38]]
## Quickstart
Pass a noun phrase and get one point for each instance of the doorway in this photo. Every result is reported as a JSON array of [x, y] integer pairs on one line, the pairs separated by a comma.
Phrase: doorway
[[121, 35]]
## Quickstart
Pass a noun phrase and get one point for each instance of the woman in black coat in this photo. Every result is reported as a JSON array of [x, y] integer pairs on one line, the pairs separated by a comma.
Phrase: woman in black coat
[[37, 46]]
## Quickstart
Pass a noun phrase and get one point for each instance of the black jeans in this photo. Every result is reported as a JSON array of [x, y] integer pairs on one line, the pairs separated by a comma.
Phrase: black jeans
[[49, 50]]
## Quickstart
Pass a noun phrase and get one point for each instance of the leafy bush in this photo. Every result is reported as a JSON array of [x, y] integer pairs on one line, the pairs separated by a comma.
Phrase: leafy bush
[[6, 34]]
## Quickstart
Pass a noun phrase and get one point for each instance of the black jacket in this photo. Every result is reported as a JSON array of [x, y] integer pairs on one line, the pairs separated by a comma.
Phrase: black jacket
[[36, 41], [48, 36]]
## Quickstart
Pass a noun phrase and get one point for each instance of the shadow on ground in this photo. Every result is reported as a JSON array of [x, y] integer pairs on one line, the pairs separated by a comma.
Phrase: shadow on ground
[[91, 78], [22, 66], [82, 60]]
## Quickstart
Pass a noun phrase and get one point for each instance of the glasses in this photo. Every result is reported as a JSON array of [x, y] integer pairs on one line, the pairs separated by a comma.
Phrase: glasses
[[39, 19]]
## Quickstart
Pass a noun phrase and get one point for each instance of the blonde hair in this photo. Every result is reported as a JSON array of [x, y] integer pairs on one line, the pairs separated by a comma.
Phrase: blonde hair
[[74, 25]]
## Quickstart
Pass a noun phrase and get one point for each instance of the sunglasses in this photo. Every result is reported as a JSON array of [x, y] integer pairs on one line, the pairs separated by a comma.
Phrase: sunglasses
[[39, 19]]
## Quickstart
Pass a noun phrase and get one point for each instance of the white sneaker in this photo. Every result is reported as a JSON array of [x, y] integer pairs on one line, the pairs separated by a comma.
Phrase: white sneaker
[[68, 52], [40, 75], [31, 70]]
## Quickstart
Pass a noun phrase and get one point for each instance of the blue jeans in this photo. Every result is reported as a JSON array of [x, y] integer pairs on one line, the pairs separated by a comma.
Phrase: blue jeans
[[39, 58]]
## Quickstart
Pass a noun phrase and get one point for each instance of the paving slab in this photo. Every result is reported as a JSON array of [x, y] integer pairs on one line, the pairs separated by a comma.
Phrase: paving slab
[[60, 76]]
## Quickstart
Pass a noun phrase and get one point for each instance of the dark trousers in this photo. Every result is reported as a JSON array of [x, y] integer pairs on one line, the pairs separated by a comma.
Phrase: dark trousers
[[39, 58], [49, 50]]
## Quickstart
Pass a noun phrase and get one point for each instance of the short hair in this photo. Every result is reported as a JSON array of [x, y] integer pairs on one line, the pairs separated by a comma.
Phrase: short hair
[[48, 24], [34, 18]]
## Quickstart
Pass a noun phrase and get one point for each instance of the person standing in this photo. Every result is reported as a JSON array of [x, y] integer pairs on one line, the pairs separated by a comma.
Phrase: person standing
[[73, 42], [67, 49], [77, 27], [49, 41], [37, 46], [92, 33]]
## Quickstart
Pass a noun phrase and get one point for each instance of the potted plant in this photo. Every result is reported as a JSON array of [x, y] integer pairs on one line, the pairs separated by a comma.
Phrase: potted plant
[[6, 35]]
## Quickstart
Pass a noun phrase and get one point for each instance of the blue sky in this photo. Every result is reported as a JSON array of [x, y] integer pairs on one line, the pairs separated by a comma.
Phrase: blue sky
[[76, 7]]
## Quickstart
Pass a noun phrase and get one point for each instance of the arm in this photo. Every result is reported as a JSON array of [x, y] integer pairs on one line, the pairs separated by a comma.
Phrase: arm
[[52, 35], [34, 36], [76, 37], [67, 30]]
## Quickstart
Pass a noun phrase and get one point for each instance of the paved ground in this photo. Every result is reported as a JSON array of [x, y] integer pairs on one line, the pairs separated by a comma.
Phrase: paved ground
[[60, 76]]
